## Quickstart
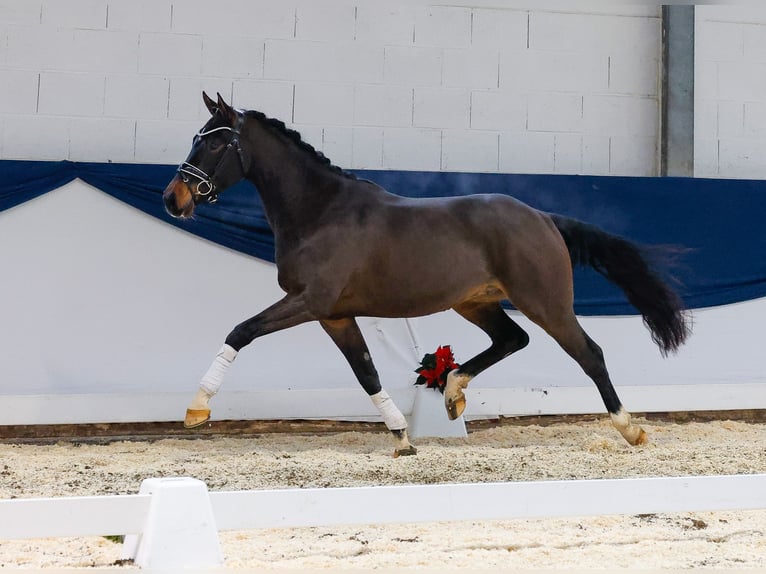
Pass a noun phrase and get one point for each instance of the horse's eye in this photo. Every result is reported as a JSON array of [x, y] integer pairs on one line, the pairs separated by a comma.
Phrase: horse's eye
[[216, 146]]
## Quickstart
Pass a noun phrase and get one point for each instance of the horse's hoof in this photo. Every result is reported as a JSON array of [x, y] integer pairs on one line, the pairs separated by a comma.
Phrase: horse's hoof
[[454, 398], [408, 451], [634, 434], [196, 417], [455, 407], [642, 438]]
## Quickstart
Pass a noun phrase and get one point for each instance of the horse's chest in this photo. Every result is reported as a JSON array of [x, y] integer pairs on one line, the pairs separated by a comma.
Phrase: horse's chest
[[300, 270]]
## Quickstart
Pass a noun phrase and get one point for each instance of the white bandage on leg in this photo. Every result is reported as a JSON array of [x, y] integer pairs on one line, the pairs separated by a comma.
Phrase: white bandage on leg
[[392, 416], [212, 380]]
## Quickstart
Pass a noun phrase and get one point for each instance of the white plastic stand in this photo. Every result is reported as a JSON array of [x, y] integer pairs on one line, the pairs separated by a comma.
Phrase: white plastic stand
[[429, 417], [180, 529]]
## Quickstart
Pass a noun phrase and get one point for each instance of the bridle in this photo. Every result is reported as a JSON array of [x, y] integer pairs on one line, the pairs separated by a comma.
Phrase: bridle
[[206, 187]]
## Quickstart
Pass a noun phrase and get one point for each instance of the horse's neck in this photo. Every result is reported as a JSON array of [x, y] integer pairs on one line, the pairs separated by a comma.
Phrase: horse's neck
[[294, 187]]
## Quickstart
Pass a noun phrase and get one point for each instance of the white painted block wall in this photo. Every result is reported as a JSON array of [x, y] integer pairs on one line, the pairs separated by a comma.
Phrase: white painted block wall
[[730, 91], [374, 85]]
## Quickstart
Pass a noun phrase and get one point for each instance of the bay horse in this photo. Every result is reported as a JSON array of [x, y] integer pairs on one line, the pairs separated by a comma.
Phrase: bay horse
[[346, 247]]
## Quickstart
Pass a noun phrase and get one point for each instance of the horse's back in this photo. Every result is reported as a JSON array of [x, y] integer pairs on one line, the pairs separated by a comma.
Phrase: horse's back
[[480, 232], [414, 256]]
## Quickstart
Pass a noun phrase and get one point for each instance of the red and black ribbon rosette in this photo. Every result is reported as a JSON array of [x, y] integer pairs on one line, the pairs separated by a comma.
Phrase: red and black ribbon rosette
[[435, 367]]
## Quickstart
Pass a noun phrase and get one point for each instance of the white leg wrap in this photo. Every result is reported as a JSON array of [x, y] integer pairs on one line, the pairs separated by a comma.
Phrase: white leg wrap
[[392, 416], [212, 380]]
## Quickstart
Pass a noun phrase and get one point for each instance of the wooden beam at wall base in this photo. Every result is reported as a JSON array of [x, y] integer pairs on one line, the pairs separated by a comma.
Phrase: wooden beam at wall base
[[109, 432]]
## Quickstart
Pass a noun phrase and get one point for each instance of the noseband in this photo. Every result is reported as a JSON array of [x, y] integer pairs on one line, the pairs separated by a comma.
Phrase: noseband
[[206, 187]]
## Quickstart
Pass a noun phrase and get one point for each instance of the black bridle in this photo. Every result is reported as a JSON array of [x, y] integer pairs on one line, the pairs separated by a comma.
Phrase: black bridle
[[206, 187]]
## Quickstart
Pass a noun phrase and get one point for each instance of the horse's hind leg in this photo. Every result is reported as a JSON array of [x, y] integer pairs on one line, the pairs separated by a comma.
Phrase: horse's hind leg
[[507, 337], [349, 339], [576, 342]]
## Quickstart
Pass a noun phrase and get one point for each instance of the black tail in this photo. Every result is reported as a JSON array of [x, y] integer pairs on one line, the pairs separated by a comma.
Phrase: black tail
[[626, 265]]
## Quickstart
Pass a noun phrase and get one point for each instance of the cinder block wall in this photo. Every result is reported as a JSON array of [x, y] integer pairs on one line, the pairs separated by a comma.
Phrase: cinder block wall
[[730, 91], [372, 84]]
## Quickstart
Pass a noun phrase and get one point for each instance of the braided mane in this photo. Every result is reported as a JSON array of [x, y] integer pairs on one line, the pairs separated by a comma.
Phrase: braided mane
[[295, 137]]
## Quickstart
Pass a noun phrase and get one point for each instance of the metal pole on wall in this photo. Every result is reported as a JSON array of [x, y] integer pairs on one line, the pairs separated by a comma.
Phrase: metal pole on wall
[[677, 121]]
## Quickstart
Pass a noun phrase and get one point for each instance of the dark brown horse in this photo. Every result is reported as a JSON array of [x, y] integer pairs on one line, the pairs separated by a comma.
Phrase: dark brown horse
[[347, 248]]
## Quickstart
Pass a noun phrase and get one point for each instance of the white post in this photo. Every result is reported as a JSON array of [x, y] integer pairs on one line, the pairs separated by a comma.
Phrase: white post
[[180, 530], [429, 417]]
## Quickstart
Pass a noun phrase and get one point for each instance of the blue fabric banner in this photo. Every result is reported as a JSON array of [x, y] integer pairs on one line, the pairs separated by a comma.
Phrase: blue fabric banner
[[720, 221]]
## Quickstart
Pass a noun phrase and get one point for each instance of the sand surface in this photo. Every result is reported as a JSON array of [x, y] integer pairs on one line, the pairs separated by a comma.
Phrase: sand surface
[[587, 450]]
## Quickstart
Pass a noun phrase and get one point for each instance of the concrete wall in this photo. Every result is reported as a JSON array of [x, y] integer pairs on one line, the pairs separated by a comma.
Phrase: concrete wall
[[730, 91], [394, 86], [374, 85]]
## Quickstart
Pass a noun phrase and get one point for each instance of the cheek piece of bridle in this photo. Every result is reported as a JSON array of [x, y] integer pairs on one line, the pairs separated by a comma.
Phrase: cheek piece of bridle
[[206, 187]]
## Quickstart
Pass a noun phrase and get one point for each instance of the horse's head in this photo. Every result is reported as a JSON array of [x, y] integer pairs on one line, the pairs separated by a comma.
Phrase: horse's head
[[215, 162]]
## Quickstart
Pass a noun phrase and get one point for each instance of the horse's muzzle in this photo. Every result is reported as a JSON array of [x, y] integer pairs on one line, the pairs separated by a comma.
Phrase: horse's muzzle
[[178, 199]]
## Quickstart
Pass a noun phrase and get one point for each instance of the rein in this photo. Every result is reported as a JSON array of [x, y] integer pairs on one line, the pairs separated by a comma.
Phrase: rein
[[206, 187]]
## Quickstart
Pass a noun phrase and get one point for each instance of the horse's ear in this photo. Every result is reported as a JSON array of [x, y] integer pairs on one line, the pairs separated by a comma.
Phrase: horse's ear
[[212, 107], [226, 110]]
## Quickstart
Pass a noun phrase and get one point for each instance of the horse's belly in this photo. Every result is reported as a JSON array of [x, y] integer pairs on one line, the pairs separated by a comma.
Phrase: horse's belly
[[410, 299]]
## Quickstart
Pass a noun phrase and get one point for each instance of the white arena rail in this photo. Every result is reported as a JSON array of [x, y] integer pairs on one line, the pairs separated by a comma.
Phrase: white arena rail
[[173, 522]]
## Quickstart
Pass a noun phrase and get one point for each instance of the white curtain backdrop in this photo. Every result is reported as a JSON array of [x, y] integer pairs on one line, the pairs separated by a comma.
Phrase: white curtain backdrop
[[108, 315]]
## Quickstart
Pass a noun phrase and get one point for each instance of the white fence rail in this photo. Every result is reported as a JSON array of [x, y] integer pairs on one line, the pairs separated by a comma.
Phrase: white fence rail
[[173, 523], [74, 516]]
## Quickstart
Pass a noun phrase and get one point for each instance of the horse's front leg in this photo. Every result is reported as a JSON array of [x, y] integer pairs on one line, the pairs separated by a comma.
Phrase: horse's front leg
[[285, 313], [349, 339]]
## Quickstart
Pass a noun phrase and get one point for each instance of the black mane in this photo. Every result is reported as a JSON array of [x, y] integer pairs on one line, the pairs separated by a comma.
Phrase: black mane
[[295, 137]]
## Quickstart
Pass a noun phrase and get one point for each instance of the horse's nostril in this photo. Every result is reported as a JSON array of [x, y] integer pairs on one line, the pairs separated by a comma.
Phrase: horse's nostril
[[170, 203], [177, 198]]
